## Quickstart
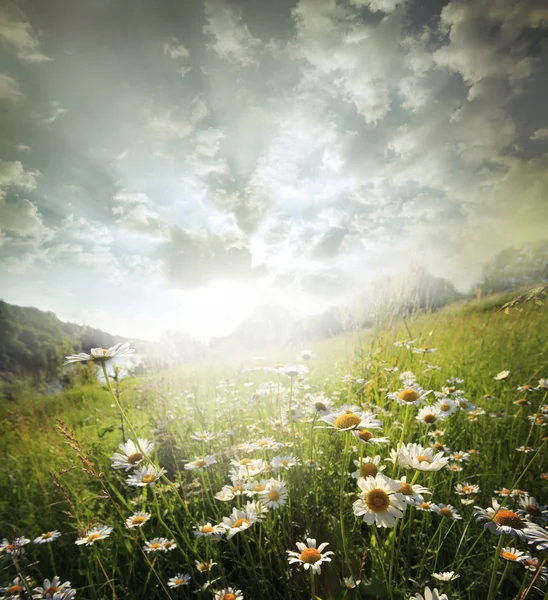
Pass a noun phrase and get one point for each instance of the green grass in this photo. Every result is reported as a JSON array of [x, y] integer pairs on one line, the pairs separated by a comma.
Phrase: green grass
[[474, 342]]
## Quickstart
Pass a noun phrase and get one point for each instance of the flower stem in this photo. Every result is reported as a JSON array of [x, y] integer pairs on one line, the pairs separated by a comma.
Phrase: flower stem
[[491, 593]]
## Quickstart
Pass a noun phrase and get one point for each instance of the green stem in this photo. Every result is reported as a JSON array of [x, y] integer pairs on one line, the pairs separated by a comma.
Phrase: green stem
[[491, 593]]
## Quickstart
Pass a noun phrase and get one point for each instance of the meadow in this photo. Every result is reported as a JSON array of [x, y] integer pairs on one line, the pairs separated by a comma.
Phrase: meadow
[[416, 451]]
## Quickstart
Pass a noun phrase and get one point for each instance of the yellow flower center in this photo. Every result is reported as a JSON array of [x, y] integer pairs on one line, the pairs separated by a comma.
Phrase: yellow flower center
[[156, 545], [229, 596], [237, 489], [240, 522], [203, 567], [446, 512], [46, 536], [405, 489], [458, 456], [445, 407], [463, 404], [377, 500], [421, 458], [439, 447], [273, 496], [347, 421], [509, 555], [527, 387], [138, 520], [429, 418], [467, 489], [51, 590], [533, 510], [207, 529], [200, 463], [134, 458], [509, 518], [179, 581], [409, 395], [93, 536], [14, 590], [168, 545], [425, 505], [522, 402], [365, 435], [245, 461], [310, 556], [259, 488], [148, 478], [320, 406], [368, 469]]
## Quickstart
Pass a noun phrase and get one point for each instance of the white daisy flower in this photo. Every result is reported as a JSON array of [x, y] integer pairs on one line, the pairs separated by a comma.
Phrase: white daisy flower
[[239, 520], [501, 520], [538, 536], [350, 583], [15, 547], [309, 556], [305, 355], [206, 529], [146, 475], [502, 375], [178, 580], [252, 488], [413, 394], [229, 593], [466, 489], [54, 588], [100, 354], [379, 501], [413, 494], [445, 576], [200, 463], [204, 567], [16, 588], [513, 554], [348, 420], [203, 436], [404, 343], [275, 494], [425, 350], [367, 437], [460, 456], [414, 456], [137, 519], [429, 595], [131, 455], [48, 537], [99, 532], [284, 462], [368, 467], [447, 512], [159, 544], [428, 415], [446, 406]]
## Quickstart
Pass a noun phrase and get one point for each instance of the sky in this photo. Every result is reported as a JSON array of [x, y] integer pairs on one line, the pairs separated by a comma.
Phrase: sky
[[172, 165]]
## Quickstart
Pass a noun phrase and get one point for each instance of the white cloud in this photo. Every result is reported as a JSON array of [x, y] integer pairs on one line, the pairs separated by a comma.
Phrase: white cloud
[[175, 50], [177, 123], [232, 39], [540, 134], [57, 111], [17, 33], [13, 173], [9, 90], [386, 6], [21, 217]]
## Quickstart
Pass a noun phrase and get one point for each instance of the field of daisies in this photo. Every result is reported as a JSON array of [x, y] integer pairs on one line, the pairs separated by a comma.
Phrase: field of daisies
[[405, 462]]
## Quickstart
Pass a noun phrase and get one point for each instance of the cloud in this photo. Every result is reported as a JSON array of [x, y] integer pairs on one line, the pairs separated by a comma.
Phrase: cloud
[[232, 39], [57, 111], [20, 217], [175, 50], [17, 33], [9, 90], [12, 173], [194, 258], [133, 212], [177, 123], [540, 134], [386, 6]]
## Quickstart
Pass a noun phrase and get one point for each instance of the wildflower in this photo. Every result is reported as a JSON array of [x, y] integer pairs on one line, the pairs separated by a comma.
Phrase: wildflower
[[48, 537], [446, 406], [426, 506], [100, 354], [155, 545], [350, 584], [178, 580], [465, 489], [527, 388], [526, 449], [419, 458], [348, 420], [350, 379], [368, 467], [15, 547], [204, 567], [502, 375], [522, 402], [53, 588], [403, 343], [425, 350], [367, 437], [137, 519], [413, 394], [512, 554], [531, 507], [412, 493], [99, 532], [132, 454], [460, 456], [310, 556], [306, 355], [203, 436], [445, 576], [206, 529], [239, 520], [428, 415], [380, 501], [285, 462], [200, 463], [146, 475], [229, 593], [275, 494], [15, 589], [447, 512], [429, 595], [501, 520]]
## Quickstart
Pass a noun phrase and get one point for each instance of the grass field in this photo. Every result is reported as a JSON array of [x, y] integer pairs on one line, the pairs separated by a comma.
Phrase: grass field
[[258, 459]]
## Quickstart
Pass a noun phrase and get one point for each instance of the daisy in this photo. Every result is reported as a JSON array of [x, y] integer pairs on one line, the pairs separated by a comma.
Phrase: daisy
[[206, 529], [267, 443], [460, 456], [538, 536], [445, 576], [501, 520], [204, 567], [428, 415], [429, 595], [502, 375], [132, 454], [15, 547], [200, 463], [252, 488], [367, 437], [48, 537], [137, 519], [447, 512], [203, 436], [368, 467], [310, 556], [348, 420], [425, 350], [238, 521], [100, 354], [285, 462], [275, 494], [16, 588], [446, 406], [531, 507], [178, 580], [413, 494], [350, 584], [513, 554], [146, 475], [422, 459], [413, 394], [466, 489], [404, 343], [155, 545], [305, 355], [53, 588], [229, 593], [99, 532], [379, 501]]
